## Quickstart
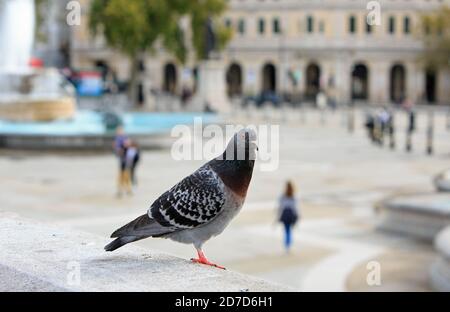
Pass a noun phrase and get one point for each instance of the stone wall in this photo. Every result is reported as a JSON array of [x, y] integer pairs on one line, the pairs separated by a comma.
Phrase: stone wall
[[42, 257], [440, 269]]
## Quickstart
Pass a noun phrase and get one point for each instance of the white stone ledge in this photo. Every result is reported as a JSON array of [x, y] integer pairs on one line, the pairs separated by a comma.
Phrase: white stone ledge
[[442, 181], [442, 243], [419, 215], [440, 269], [41, 257]]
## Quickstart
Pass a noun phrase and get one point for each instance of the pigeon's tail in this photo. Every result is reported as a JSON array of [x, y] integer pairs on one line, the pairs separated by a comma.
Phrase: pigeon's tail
[[140, 228], [119, 242]]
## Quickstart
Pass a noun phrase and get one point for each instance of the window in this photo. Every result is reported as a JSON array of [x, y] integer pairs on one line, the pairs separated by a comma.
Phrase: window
[[309, 24], [391, 24], [261, 26], [241, 26], [276, 26], [406, 25], [352, 24]]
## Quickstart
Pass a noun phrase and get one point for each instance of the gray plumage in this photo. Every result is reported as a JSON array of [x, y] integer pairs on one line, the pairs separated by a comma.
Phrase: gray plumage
[[201, 205]]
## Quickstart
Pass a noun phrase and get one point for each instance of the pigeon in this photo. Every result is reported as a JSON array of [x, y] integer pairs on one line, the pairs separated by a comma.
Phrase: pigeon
[[201, 205]]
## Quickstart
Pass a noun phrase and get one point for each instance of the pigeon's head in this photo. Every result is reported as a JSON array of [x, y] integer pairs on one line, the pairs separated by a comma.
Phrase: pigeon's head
[[242, 146], [235, 165]]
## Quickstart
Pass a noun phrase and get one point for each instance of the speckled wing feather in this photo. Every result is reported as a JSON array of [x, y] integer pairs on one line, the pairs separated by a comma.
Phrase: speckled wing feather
[[194, 201]]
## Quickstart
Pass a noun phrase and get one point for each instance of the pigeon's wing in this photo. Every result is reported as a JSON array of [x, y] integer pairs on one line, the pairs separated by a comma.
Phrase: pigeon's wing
[[194, 201], [142, 226]]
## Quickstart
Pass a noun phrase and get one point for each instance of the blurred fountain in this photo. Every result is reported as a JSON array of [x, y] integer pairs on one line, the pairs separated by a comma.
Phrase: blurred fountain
[[17, 24], [27, 93]]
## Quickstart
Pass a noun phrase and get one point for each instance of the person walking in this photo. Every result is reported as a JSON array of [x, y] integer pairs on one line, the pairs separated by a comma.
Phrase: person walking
[[124, 175], [408, 105], [288, 213], [120, 146], [132, 159], [119, 141]]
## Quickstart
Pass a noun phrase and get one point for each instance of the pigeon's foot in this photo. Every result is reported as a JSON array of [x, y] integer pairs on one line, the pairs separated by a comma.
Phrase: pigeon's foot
[[206, 262], [202, 260]]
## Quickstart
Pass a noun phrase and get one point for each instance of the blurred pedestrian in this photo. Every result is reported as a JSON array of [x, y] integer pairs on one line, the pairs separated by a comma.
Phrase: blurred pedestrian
[[119, 140], [383, 117], [370, 126], [120, 145], [408, 105], [132, 159], [321, 100], [391, 129], [186, 95], [321, 103], [411, 121], [288, 213], [124, 183]]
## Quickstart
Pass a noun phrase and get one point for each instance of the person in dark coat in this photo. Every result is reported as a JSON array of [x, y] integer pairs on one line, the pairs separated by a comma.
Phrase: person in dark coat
[[120, 146], [288, 213], [132, 159]]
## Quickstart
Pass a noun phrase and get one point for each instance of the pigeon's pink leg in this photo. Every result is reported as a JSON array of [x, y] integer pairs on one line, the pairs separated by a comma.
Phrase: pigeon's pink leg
[[202, 259]]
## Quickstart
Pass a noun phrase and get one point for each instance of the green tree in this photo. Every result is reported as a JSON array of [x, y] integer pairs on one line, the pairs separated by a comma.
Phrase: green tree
[[436, 38], [136, 27]]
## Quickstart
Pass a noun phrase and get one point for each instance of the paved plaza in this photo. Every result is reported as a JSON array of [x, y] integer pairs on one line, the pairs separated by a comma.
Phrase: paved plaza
[[339, 177]]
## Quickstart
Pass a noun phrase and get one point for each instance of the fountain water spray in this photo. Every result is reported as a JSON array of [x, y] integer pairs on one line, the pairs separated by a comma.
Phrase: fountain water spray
[[28, 93], [17, 27]]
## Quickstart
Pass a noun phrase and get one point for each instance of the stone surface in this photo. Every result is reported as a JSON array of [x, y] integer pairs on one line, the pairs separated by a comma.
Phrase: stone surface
[[440, 269], [212, 87], [38, 109], [442, 243], [41, 257], [442, 181], [418, 215], [395, 266]]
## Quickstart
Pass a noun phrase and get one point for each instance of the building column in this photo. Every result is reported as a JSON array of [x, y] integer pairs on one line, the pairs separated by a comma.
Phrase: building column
[[301, 66], [343, 79], [379, 82], [443, 86], [415, 82], [325, 72], [282, 73], [251, 79]]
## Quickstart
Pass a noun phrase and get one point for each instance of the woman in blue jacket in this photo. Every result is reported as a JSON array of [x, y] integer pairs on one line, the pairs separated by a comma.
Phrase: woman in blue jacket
[[288, 213]]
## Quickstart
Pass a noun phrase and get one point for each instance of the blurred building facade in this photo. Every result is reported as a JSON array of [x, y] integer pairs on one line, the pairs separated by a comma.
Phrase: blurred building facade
[[301, 47]]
